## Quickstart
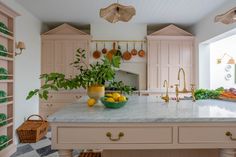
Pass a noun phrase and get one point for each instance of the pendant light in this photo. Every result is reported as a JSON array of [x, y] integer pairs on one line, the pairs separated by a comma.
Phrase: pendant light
[[117, 12], [228, 17]]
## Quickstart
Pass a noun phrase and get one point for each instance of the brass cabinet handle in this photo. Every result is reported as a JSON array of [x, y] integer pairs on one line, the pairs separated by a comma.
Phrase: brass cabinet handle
[[230, 135], [121, 134], [77, 97]]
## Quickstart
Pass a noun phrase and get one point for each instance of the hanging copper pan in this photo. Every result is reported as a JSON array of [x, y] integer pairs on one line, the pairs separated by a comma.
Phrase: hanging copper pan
[[104, 50], [111, 52], [134, 51], [127, 55], [96, 53], [141, 52]]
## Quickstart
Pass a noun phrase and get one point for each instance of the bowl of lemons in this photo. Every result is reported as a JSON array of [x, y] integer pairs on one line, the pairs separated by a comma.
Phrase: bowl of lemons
[[114, 100]]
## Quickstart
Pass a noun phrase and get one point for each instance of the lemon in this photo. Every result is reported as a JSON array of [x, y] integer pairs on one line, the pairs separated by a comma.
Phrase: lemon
[[91, 102], [116, 96], [122, 98], [108, 95], [110, 100]]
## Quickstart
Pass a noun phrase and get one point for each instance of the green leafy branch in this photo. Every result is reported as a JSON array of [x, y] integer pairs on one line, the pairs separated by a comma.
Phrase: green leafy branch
[[94, 74]]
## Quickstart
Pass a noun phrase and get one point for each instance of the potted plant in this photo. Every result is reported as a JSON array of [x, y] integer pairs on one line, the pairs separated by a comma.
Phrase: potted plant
[[91, 77]]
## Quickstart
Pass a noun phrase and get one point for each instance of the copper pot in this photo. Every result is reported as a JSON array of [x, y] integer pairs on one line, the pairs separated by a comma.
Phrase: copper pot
[[112, 52], [134, 51], [96, 53], [127, 55], [104, 50], [141, 52]]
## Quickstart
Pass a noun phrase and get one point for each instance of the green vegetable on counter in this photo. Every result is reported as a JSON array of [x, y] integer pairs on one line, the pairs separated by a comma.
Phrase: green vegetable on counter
[[208, 94]]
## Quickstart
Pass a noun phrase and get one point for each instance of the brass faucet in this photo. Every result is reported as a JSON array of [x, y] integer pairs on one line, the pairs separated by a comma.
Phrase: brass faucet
[[184, 90], [166, 97]]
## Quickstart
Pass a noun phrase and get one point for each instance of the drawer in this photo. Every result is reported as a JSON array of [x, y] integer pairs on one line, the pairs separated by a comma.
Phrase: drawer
[[63, 97], [81, 135], [206, 134], [53, 106], [47, 109]]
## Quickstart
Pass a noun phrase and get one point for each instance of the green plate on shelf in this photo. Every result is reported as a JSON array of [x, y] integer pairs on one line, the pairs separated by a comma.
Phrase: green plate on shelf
[[3, 139], [3, 28], [3, 96], [113, 105], [2, 118], [3, 51], [3, 71]]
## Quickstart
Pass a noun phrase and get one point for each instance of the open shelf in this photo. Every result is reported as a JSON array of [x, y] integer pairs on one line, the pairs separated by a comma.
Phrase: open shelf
[[10, 149], [6, 126], [6, 36], [6, 81], [7, 41], [6, 58], [7, 30], [6, 103]]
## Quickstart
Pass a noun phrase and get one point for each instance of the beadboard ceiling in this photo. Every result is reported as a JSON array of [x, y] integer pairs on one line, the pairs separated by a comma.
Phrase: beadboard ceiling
[[183, 12]]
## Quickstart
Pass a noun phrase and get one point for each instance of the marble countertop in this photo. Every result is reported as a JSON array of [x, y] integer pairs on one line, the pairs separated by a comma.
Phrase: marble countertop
[[149, 109]]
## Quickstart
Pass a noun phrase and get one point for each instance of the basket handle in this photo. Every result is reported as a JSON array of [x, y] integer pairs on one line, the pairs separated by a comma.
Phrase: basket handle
[[36, 116]]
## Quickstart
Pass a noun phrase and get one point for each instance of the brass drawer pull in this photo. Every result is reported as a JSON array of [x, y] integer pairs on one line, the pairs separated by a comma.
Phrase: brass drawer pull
[[77, 97], [230, 135], [121, 134]]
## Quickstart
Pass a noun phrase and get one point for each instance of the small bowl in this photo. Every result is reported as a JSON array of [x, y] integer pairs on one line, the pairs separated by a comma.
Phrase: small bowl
[[113, 105]]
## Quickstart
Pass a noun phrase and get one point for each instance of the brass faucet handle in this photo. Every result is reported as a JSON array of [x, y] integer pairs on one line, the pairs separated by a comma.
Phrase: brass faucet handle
[[176, 85]]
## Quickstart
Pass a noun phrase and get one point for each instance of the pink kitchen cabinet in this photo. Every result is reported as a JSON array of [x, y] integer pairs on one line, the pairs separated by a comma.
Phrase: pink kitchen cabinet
[[168, 50]]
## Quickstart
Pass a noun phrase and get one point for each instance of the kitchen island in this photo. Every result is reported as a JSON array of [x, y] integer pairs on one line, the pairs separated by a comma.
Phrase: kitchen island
[[147, 126]]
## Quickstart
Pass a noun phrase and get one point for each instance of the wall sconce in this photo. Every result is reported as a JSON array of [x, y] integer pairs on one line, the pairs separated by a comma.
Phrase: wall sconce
[[20, 45], [230, 61]]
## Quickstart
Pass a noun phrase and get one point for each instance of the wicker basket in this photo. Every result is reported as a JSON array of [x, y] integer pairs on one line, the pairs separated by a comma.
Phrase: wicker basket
[[32, 131]]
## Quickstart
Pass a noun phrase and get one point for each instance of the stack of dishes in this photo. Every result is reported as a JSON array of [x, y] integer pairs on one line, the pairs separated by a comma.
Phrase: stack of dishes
[[4, 29], [3, 51], [3, 74], [3, 118], [3, 139], [3, 95]]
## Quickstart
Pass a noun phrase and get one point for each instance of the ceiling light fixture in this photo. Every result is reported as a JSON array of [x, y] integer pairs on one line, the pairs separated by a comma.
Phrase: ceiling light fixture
[[117, 12], [228, 17]]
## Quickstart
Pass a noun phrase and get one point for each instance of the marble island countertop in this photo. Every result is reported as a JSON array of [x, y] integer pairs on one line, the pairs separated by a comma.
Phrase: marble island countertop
[[149, 109]]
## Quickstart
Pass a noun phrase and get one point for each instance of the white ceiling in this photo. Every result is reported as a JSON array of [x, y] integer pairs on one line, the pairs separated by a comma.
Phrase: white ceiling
[[184, 12]]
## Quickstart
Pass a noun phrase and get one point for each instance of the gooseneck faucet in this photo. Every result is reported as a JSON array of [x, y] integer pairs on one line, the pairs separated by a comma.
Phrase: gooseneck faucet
[[192, 91], [181, 69], [166, 97]]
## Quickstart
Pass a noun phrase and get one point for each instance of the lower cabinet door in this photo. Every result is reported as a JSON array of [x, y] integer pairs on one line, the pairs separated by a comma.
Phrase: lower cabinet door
[[82, 135]]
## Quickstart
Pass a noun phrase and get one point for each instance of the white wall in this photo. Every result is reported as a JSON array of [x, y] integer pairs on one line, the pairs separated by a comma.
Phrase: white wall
[[218, 72], [123, 31], [204, 30], [27, 65]]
